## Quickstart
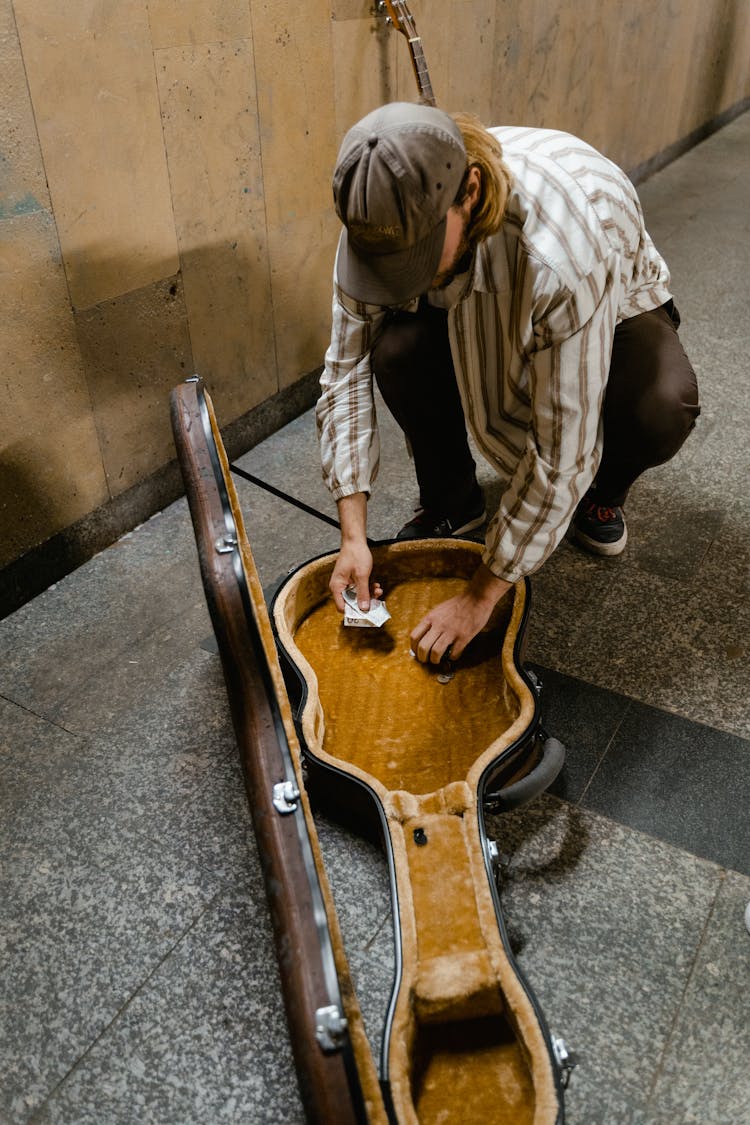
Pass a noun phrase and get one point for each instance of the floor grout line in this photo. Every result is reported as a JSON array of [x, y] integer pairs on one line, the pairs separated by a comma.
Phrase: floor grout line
[[604, 753], [121, 1010], [44, 718], [688, 980]]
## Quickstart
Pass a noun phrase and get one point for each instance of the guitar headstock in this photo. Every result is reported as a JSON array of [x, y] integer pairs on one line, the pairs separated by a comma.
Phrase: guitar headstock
[[400, 16]]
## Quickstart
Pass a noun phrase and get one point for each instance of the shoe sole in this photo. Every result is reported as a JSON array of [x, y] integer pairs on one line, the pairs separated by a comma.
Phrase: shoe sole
[[606, 550], [470, 525]]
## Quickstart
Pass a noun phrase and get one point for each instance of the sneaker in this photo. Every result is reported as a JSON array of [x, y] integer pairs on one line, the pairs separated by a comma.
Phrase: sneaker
[[599, 528], [427, 524]]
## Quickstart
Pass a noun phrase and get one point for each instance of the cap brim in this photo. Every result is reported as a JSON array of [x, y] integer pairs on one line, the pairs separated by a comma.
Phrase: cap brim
[[390, 279]]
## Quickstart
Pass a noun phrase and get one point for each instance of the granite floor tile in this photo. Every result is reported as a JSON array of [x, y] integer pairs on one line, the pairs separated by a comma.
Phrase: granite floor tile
[[85, 921], [609, 924], [670, 539], [652, 639], [686, 783], [112, 847], [712, 1025], [584, 718], [118, 681], [106, 629], [25, 737], [204, 1039], [373, 978], [358, 873], [569, 618], [726, 567]]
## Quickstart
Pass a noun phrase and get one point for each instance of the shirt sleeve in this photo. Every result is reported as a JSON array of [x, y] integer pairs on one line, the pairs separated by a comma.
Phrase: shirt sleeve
[[345, 412], [567, 373]]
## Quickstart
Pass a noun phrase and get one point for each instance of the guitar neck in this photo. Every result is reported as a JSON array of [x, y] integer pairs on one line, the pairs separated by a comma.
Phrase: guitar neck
[[421, 72]]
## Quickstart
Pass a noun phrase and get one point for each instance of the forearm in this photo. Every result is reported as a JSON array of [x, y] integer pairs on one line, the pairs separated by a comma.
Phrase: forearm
[[353, 519], [345, 411], [486, 588], [354, 563]]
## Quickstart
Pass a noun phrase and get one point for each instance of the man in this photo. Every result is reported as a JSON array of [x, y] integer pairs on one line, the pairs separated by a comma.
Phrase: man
[[502, 278]]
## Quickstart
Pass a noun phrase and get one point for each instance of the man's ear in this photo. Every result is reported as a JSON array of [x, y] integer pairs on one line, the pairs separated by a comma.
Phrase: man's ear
[[474, 185]]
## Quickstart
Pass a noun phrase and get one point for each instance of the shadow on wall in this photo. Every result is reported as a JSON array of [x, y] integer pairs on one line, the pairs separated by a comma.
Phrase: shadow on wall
[[89, 451], [27, 509], [718, 49]]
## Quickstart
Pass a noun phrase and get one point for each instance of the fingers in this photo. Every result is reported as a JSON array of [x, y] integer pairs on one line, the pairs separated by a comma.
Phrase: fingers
[[353, 569], [337, 589], [338, 583], [432, 644], [362, 584]]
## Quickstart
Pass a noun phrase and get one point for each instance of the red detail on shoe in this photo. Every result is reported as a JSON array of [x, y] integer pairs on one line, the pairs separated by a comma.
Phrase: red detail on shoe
[[598, 512]]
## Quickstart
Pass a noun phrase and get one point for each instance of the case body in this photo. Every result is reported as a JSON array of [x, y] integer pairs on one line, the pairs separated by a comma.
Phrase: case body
[[420, 754]]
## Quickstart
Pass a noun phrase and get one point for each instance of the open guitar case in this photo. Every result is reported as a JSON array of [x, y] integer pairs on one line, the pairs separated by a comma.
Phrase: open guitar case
[[418, 752]]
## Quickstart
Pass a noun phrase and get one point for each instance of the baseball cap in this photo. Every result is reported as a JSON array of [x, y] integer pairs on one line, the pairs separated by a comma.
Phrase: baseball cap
[[397, 173]]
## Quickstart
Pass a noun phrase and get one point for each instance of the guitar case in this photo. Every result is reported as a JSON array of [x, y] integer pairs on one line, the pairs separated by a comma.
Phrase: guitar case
[[421, 752]]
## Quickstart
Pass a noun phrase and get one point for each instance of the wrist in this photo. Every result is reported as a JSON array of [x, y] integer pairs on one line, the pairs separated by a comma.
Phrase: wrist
[[486, 588], [353, 519]]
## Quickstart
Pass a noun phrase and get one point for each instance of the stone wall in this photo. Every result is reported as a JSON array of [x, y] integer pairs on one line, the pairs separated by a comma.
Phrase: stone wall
[[165, 200]]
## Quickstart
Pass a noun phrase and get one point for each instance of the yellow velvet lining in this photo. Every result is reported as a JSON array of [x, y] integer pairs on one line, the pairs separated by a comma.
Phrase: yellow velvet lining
[[465, 1042], [472, 1071], [390, 715]]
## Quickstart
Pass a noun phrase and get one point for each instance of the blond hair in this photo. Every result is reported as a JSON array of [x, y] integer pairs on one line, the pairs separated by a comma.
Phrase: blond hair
[[484, 152]]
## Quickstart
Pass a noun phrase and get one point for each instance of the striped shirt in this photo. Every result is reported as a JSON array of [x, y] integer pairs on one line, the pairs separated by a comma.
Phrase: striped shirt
[[531, 330]]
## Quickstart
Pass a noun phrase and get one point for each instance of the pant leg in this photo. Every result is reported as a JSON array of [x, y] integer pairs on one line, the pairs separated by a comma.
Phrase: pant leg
[[651, 401], [413, 367]]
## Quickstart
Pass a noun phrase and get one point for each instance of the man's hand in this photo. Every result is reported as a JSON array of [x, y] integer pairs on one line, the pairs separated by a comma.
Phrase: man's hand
[[354, 564], [455, 622], [353, 567]]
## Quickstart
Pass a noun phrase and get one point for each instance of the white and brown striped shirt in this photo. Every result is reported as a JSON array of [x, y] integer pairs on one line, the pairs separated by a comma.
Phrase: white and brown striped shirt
[[531, 329]]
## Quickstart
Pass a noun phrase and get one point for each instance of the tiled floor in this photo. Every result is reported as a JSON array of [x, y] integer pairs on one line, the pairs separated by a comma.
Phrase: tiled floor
[[138, 980]]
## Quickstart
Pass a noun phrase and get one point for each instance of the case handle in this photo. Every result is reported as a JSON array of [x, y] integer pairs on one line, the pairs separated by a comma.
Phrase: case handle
[[535, 781]]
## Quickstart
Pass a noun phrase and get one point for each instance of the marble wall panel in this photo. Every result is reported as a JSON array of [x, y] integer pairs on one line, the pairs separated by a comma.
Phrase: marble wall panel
[[509, 65], [295, 98], [210, 119], [458, 46], [302, 255], [23, 187], [189, 146], [364, 68], [50, 463], [353, 9], [618, 122], [198, 21], [713, 57], [90, 71], [653, 106], [295, 86], [135, 348], [736, 77]]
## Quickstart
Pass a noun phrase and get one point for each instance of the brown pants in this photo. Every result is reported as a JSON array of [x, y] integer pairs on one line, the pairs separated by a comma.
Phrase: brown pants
[[650, 405]]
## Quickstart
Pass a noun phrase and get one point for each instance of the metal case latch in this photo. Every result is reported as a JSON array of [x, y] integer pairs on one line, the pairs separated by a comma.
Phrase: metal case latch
[[330, 1027], [225, 544], [285, 797], [566, 1060]]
